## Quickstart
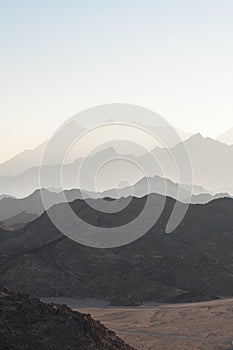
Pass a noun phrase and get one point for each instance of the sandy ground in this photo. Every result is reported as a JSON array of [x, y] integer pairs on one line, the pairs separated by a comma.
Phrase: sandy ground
[[204, 326]]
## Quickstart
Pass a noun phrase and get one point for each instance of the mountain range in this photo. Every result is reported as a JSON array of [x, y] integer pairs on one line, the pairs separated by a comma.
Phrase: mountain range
[[17, 212], [196, 259], [226, 137], [32, 158], [210, 160]]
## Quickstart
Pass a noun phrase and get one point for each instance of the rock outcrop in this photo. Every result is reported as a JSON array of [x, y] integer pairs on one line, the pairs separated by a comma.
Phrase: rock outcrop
[[28, 324]]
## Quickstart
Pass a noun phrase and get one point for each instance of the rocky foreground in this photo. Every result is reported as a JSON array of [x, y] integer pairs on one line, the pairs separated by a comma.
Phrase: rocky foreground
[[26, 323]]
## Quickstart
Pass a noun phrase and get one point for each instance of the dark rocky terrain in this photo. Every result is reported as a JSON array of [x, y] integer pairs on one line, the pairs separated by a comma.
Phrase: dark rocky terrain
[[18, 221], [26, 323], [197, 258]]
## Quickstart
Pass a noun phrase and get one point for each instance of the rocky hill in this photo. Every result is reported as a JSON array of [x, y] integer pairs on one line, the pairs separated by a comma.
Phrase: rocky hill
[[196, 258], [26, 323]]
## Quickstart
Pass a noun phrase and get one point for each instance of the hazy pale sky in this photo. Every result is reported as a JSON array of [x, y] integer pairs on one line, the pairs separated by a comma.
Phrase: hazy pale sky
[[59, 57]]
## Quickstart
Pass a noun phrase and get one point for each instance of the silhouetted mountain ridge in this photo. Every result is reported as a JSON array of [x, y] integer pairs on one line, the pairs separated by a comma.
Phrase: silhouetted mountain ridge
[[196, 258], [33, 204], [209, 159]]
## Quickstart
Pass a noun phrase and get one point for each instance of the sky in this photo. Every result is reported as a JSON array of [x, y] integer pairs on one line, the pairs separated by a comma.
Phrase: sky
[[60, 57]]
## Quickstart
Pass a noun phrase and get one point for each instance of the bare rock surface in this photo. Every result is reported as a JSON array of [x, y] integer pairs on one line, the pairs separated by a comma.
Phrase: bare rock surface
[[26, 323]]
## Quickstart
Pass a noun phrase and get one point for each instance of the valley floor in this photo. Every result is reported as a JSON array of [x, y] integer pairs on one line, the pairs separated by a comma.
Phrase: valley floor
[[204, 326]]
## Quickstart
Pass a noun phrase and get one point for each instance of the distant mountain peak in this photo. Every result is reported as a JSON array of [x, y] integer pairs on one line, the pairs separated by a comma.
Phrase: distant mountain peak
[[226, 137], [196, 137]]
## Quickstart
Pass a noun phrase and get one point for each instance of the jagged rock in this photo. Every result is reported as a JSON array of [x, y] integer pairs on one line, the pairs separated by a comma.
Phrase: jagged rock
[[28, 324]]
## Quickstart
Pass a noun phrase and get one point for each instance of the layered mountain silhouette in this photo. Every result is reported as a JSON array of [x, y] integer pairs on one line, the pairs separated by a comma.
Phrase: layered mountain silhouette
[[210, 161], [156, 184], [226, 137], [32, 158], [196, 259], [26, 323], [18, 221], [212, 169], [15, 213], [22, 161], [33, 204]]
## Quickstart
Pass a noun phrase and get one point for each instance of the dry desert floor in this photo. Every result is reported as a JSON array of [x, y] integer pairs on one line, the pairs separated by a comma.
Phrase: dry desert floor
[[204, 326]]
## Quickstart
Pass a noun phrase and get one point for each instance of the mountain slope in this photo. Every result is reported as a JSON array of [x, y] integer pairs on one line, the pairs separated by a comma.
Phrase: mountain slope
[[26, 323], [33, 204], [226, 137], [22, 161], [18, 221], [210, 160], [32, 158], [196, 258]]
